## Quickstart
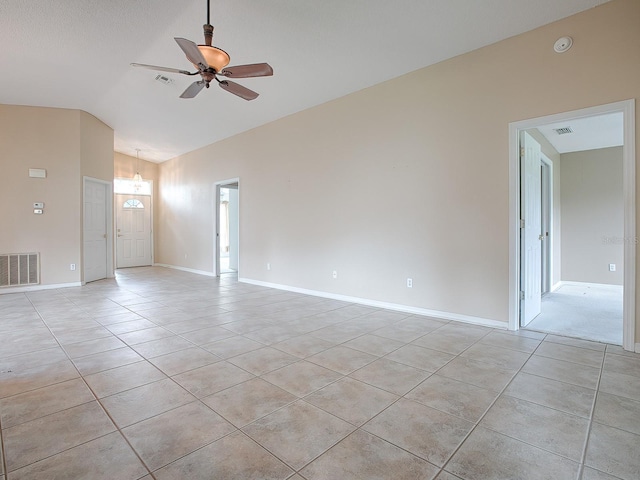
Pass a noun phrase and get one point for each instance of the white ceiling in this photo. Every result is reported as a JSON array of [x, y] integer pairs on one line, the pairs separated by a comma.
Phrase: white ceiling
[[76, 54], [590, 133]]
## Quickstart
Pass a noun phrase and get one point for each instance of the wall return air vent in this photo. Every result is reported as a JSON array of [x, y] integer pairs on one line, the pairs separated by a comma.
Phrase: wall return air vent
[[17, 269], [563, 130]]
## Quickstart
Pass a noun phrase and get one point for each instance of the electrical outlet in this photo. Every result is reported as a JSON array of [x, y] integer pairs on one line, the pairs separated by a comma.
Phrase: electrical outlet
[[409, 282], [335, 274], [72, 266], [268, 266], [612, 267]]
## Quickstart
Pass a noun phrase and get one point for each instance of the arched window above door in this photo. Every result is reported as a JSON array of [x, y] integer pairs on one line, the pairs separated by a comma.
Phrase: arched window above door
[[133, 203]]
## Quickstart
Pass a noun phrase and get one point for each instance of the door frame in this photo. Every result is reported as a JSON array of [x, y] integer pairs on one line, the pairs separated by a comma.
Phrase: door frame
[[531, 240], [216, 222], [547, 222], [115, 225], [109, 225], [627, 108]]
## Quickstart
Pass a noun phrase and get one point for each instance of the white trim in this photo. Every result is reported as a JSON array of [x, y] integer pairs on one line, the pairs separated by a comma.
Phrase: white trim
[[115, 226], [588, 284], [389, 306], [627, 108], [216, 222], [110, 225], [32, 288], [550, 238], [185, 269], [556, 286]]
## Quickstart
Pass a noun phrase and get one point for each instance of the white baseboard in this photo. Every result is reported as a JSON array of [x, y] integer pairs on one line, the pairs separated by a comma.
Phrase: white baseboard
[[34, 288], [389, 306], [185, 269], [585, 284], [556, 286]]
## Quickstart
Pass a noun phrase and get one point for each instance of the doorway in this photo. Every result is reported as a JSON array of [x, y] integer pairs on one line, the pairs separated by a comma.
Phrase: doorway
[[520, 312], [96, 239], [133, 230], [227, 227]]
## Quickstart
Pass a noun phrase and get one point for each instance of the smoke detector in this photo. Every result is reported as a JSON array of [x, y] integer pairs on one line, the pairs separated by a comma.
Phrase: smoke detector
[[563, 44]]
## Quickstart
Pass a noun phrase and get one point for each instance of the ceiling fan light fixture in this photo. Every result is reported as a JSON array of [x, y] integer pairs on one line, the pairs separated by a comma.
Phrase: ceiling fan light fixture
[[216, 58]]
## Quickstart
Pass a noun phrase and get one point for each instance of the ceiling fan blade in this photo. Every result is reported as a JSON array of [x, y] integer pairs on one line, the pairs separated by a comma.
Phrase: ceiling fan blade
[[238, 90], [161, 69], [193, 89], [247, 71], [192, 52]]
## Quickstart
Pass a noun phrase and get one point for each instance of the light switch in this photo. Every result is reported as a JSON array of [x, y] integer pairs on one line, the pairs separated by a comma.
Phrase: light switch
[[38, 211], [38, 205]]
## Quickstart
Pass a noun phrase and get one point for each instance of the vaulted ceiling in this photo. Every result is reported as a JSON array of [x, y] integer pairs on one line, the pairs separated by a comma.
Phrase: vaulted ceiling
[[77, 54]]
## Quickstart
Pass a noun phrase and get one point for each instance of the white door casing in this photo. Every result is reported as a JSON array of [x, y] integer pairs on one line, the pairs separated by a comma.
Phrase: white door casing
[[627, 108], [95, 230], [133, 230], [230, 183], [531, 231]]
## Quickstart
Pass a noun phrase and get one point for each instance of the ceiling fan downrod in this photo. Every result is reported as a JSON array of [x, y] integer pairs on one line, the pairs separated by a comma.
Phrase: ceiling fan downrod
[[208, 28]]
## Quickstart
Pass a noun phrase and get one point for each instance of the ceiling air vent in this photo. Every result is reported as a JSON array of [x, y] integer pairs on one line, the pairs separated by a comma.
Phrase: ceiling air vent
[[163, 79], [563, 130]]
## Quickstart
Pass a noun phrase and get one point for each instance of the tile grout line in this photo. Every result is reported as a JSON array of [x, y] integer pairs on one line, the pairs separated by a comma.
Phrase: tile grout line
[[3, 451], [500, 394], [400, 397], [96, 399], [477, 423], [593, 411]]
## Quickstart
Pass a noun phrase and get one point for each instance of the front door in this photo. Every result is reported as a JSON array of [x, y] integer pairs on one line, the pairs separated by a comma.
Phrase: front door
[[133, 230], [531, 229]]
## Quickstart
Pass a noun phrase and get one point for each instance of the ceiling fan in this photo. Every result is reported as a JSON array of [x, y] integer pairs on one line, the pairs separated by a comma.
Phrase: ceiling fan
[[212, 62]]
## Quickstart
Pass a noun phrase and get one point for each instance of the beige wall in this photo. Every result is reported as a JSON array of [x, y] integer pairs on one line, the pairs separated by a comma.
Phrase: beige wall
[[124, 166], [409, 178], [592, 216], [68, 144]]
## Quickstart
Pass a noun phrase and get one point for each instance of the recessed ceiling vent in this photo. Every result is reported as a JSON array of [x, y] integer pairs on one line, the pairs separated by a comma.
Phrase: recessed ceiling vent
[[563, 130], [163, 79]]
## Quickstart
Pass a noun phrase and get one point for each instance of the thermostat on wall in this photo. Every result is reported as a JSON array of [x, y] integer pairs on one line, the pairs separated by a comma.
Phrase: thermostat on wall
[[38, 205]]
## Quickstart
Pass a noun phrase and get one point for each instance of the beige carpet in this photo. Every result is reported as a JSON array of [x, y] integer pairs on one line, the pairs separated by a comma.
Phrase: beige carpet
[[588, 311]]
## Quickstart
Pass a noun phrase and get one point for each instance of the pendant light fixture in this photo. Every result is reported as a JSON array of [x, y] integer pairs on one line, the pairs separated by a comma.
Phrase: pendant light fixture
[[137, 178]]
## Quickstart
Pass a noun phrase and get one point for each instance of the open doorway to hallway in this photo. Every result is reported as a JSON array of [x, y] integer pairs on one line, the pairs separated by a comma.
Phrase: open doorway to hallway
[[227, 227], [575, 224]]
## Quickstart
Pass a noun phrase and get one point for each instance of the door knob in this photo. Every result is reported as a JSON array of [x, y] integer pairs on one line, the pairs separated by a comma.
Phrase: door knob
[[540, 237]]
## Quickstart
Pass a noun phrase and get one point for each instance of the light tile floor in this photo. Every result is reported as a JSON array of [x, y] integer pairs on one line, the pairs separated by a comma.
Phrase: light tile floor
[[169, 375]]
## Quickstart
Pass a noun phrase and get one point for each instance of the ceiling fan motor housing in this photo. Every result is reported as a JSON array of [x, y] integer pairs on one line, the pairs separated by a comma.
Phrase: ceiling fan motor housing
[[216, 58]]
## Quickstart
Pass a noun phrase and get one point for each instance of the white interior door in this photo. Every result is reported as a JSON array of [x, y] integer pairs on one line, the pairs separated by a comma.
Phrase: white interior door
[[133, 230], [227, 227], [95, 230], [531, 233]]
